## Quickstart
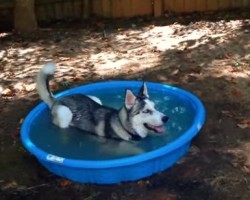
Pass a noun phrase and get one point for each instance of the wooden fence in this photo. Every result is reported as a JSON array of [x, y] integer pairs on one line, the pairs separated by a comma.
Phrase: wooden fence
[[201, 5], [47, 10]]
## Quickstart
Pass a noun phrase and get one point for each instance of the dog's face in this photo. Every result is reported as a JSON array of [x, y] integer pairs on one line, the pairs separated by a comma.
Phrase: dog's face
[[142, 113]]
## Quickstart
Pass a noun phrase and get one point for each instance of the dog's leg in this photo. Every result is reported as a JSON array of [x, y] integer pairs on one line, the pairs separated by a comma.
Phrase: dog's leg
[[62, 116], [117, 148], [129, 148], [96, 99]]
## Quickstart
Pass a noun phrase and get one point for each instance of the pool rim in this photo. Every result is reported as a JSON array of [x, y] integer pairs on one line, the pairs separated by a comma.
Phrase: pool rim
[[185, 138]]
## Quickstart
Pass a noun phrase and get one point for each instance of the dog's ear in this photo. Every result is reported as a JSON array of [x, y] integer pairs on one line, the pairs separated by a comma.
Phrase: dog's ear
[[143, 91], [129, 99]]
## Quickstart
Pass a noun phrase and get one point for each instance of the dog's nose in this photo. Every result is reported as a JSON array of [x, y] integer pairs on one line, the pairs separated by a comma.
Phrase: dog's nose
[[164, 119]]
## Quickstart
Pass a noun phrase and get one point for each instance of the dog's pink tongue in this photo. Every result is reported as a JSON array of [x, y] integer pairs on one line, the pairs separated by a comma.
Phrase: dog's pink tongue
[[158, 129]]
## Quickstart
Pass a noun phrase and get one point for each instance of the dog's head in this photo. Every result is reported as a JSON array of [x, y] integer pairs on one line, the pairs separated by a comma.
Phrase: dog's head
[[142, 115]]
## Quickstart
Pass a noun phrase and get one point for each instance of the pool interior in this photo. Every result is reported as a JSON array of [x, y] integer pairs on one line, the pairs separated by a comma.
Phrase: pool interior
[[75, 144]]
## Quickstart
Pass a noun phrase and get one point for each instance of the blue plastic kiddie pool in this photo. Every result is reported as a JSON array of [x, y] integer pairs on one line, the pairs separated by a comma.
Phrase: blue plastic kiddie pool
[[86, 158]]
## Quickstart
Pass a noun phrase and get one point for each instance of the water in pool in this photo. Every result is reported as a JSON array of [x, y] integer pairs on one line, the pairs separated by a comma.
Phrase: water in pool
[[75, 144]]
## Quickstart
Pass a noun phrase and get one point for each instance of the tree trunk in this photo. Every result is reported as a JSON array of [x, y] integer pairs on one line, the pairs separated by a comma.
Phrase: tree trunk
[[25, 18]]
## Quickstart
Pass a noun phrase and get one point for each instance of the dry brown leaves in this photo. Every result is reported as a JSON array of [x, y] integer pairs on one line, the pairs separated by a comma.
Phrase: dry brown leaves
[[245, 123]]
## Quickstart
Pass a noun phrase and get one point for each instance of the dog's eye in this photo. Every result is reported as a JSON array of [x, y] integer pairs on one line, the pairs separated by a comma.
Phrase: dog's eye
[[147, 111]]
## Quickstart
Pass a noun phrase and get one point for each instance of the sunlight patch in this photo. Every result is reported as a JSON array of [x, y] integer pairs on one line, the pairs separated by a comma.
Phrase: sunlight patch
[[22, 52], [2, 35]]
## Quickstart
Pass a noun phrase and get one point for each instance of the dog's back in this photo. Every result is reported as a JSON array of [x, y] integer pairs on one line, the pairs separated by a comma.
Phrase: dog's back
[[87, 114]]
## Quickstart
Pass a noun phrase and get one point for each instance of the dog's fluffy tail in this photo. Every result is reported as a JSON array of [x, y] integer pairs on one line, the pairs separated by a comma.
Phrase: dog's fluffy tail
[[42, 83]]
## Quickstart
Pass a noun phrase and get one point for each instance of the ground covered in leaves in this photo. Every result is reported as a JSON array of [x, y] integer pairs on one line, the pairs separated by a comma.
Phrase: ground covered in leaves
[[208, 55]]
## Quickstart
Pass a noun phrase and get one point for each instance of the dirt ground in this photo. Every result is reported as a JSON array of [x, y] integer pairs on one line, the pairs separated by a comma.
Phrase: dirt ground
[[207, 54]]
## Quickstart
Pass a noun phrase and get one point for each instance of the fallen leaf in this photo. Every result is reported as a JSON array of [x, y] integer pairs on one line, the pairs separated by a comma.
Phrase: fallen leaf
[[64, 58], [20, 87], [194, 150], [100, 25], [123, 51], [130, 71], [175, 72], [8, 93], [236, 93], [234, 69], [151, 26], [30, 87], [9, 185], [226, 113], [233, 80], [155, 50], [21, 120], [108, 46], [11, 74], [65, 183], [227, 55], [75, 79], [139, 52], [1, 89], [133, 25], [245, 123], [143, 183], [237, 64], [53, 85]]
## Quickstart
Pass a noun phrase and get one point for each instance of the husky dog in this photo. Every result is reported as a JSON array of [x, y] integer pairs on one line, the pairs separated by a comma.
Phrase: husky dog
[[133, 121]]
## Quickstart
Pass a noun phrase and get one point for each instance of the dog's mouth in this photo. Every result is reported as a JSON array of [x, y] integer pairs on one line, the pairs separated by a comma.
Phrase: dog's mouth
[[156, 129]]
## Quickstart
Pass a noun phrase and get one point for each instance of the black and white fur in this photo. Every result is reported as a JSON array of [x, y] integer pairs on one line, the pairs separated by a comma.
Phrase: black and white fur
[[133, 121]]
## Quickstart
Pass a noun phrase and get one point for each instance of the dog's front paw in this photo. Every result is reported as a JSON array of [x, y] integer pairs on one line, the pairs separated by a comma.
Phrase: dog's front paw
[[128, 138]]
